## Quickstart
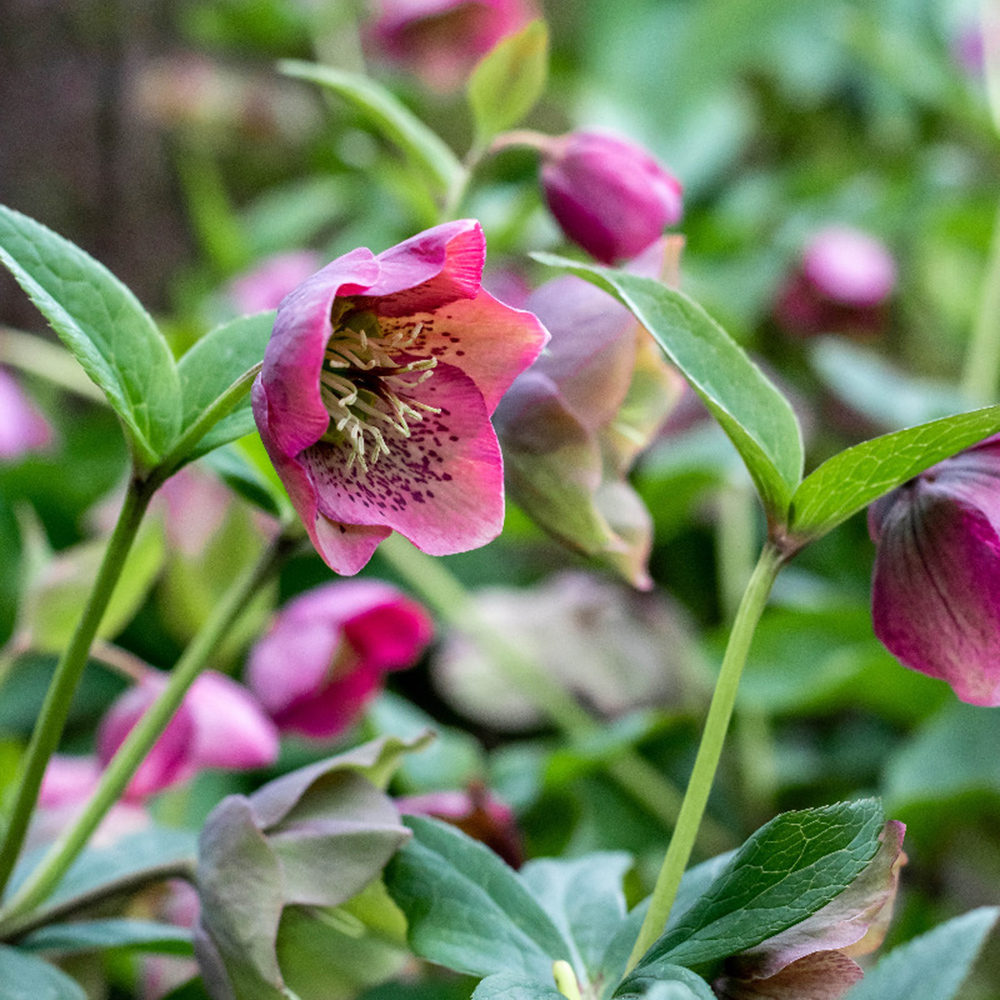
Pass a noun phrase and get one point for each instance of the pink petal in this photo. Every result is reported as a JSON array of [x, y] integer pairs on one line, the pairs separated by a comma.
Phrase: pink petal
[[68, 781], [849, 266], [231, 729], [392, 636], [442, 487], [22, 426], [823, 975], [271, 280]]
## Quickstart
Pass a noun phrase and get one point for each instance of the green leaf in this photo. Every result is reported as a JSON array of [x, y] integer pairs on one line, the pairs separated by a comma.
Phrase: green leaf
[[469, 911], [210, 368], [425, 149], [789, 869], [683, 984], [932, 966], [506, 986], [508, 81], [94, 935], [584, 898], [850, 481], [103, 324], [24, 977], [753, 413]]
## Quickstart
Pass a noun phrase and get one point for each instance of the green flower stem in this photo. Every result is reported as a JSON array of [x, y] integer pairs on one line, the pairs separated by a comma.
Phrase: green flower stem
[[710, 750], [44, 879], [48, 729], [431, 579], [982, 357]]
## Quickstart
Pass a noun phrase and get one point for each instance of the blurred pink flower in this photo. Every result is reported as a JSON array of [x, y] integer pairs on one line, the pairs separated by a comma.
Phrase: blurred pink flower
[[324, 656], [440, 41], [842, 285], [22, 426], [375, 398], [610, 196], [219, 724], [936, 584], [271, 280]]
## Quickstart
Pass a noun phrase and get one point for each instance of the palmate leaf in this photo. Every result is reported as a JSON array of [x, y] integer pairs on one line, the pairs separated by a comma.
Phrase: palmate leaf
[[103, 325]]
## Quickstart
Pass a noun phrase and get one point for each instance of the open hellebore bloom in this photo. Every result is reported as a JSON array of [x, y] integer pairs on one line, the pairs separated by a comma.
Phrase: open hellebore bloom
[[324, 657], [22, 426], [608, 195], [574, 423], [936, 585], [842, 285], [375, 398], [442, 40], [219, 724], [814, 959]]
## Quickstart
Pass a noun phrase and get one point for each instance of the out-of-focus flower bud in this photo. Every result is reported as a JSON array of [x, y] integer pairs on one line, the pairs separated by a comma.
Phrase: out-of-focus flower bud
[[610, 196], [476, 812], [440, 41], [842, 285], [936, 585], [271, 280], [219, 724], [325, 655], [22, 426]]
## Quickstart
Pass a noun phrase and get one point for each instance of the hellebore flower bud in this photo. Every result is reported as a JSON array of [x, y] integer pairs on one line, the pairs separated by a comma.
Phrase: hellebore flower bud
[[22, 427], [608, 195], [842, 284], [325, 655], [936, 584]]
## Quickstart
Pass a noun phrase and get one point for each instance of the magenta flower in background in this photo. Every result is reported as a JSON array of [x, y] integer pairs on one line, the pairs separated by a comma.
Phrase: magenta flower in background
[[608, 195], [22, 426], [324, 657], [936, 584], [440, 41], [219, 724], [271, 280], [842, 285], [375, 398]]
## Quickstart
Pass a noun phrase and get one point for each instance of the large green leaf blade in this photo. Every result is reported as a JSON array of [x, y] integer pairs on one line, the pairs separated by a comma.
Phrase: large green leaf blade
[[753, 413], [424, 148], [25, 977], [211, 366], [932, 966], [96, 935], [789, 869], [850, 481], [103, 324], [467, 910]]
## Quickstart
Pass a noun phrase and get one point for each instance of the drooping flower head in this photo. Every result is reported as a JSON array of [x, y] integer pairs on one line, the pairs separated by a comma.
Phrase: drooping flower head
[[608, 195], [441, 40], [375, 398], [841, 285], [324, 657], [936, 584]]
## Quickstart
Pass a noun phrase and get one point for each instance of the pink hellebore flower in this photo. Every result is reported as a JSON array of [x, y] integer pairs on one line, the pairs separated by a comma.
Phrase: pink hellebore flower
[[22, 426], [814, 959], [936, 585], [324, 657], [219, 724], [271, 280], [842, 284], [442, 40], [375, 398], [608, 195]]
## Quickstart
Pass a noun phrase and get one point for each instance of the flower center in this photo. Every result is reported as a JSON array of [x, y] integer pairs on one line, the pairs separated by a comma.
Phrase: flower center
[[367, 388]]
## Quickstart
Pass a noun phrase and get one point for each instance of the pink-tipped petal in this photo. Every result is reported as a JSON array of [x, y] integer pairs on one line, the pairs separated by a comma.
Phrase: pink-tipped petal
[[390, 636]]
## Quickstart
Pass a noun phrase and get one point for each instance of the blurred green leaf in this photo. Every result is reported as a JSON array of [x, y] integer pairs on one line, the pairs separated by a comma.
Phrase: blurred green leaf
[[250, 474], [211, 367], [103, 324], [508, 81], [506, 986], [467, 910], [96, 935], [789, 869], [395, 121], [850, 481], [24, 976], [932, 966], [755, 415], [664, 981]]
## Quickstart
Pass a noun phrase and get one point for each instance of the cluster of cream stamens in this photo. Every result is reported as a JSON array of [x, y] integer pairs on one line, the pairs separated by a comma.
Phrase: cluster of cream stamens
[[363, 387]]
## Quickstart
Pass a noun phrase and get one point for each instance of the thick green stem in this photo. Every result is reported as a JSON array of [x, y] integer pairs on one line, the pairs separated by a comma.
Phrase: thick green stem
[[48, 729], [709, 752], [982, 357], [438, 587], [44, 879]]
